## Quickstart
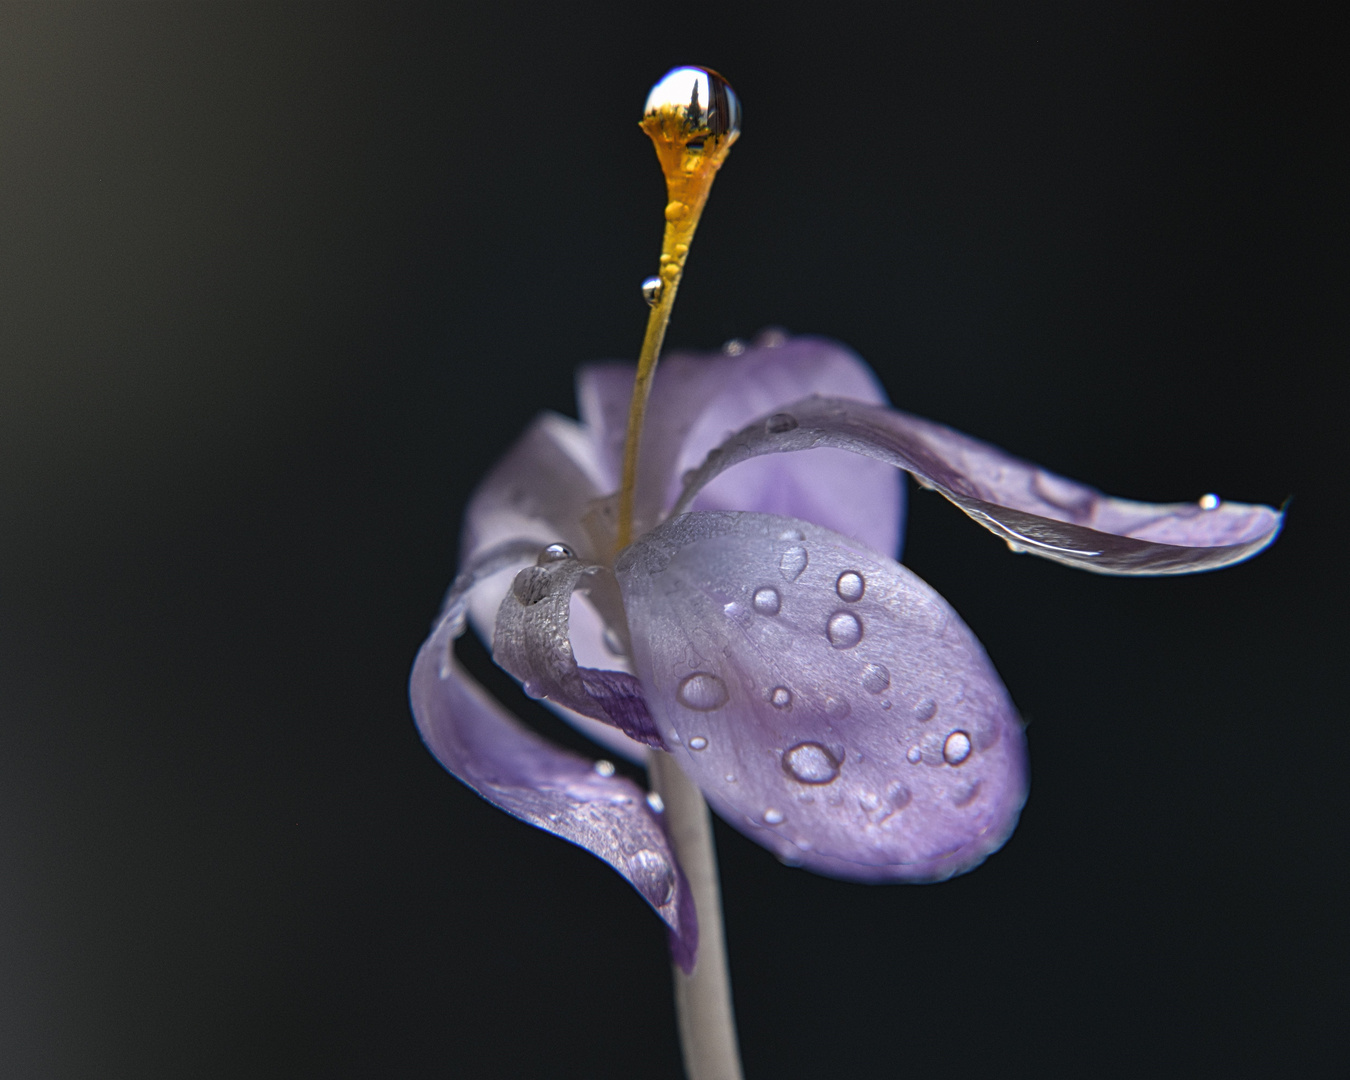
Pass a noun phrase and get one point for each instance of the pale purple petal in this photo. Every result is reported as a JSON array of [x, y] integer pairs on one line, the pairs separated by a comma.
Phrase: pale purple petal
[[828, 703], [532, 642], [1034, 510], [494, 754], [698, 400]]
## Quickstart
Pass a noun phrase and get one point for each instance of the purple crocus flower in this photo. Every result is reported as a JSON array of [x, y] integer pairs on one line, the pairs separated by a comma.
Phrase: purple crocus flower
[[828, 703]]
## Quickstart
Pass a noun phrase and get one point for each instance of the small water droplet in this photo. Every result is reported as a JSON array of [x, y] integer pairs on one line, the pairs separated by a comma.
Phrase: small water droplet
[[702, 692], [780, 697], [767, 601], [1209, 501], [886, 705], [604, 768], [554, 553], [925, 710], [734, 347], [914, 756], [773, 816], [810, 763], [793, 563], [876, 678], [730, 778], [844, 630], [780, 423], [698, 742], [791, 534], [850, 586], [652, 288], [957, 748], [653, 875], [657, 803], [868, 801]]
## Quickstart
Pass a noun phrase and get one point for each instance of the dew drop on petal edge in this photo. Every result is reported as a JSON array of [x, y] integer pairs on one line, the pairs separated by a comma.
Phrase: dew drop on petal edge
[[850, 586]]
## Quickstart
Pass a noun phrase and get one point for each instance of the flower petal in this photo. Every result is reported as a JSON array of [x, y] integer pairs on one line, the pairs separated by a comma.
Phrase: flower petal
[[533, 644], [697, 400], [830, 704], [489, 750], [1034, 510]]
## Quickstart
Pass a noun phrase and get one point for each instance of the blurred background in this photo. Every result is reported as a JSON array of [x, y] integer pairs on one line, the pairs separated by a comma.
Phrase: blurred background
[[278, 283]]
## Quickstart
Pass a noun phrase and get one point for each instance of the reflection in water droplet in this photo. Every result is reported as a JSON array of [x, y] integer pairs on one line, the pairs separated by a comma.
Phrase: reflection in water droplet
[[810, 763], [780, 697], [925, 710], [604, 768], [653, 875], [773, 817], [652, 290], [850, 586], [698, 742], [734, 347], [612, 642], [655, 801], [957, 748], [553, 553], [779, 423], [914, 756], [793, 563], [702, 692], [875, 679], [844, 630], [1209, 502], [767, 601]]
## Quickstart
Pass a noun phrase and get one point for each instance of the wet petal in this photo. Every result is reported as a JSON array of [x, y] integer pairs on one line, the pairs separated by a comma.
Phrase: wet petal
[[1034, 510], [532, 643], [829, 704], [697, 400], [489, 750]]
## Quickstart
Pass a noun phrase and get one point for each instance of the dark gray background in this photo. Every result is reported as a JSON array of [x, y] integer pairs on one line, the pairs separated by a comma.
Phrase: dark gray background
[[277, 284]]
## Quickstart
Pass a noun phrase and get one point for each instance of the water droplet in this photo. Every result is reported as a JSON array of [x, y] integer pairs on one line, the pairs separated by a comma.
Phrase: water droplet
[[868, 801], [612, 643], [780, 423], [767, 601], [604, 768], [554, 553], [957, 748], [780, 697], [657, 803], [530, 585], [793, 563], [734, 347], [875, 679], [850, 586], [898, 796], [1209, 502], [652, 288], [914, 756], [701, 98], [791, 534], [886, 705], [810, 763], [698, 742], [844, 630], [653, 875], [925, 710], [773, 816], [702, 692], [730, 778]]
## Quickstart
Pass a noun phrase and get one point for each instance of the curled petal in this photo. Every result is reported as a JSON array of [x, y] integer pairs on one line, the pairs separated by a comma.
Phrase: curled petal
[[829, 704], [697, 400], [1034, 510], [533, 644], [512, 768]]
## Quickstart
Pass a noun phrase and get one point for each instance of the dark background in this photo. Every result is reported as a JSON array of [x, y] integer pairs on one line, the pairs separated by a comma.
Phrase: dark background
[[277, 284]]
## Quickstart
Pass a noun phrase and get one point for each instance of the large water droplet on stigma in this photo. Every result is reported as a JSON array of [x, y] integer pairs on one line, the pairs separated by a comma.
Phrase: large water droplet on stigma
[[850, 586], [793, 562], [767, 601], [810, 763], [844, 630], [957, 748], [702, 692], [702, 99]]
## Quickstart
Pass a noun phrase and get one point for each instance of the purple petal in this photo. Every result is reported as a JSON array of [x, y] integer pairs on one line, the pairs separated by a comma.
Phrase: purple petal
[[697, 400], [490, 751], [1034, 510], [532, 643], [829, 704]]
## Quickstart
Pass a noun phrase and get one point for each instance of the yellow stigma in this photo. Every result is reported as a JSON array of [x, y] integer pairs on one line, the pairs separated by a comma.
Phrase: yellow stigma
[[692, 117]]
